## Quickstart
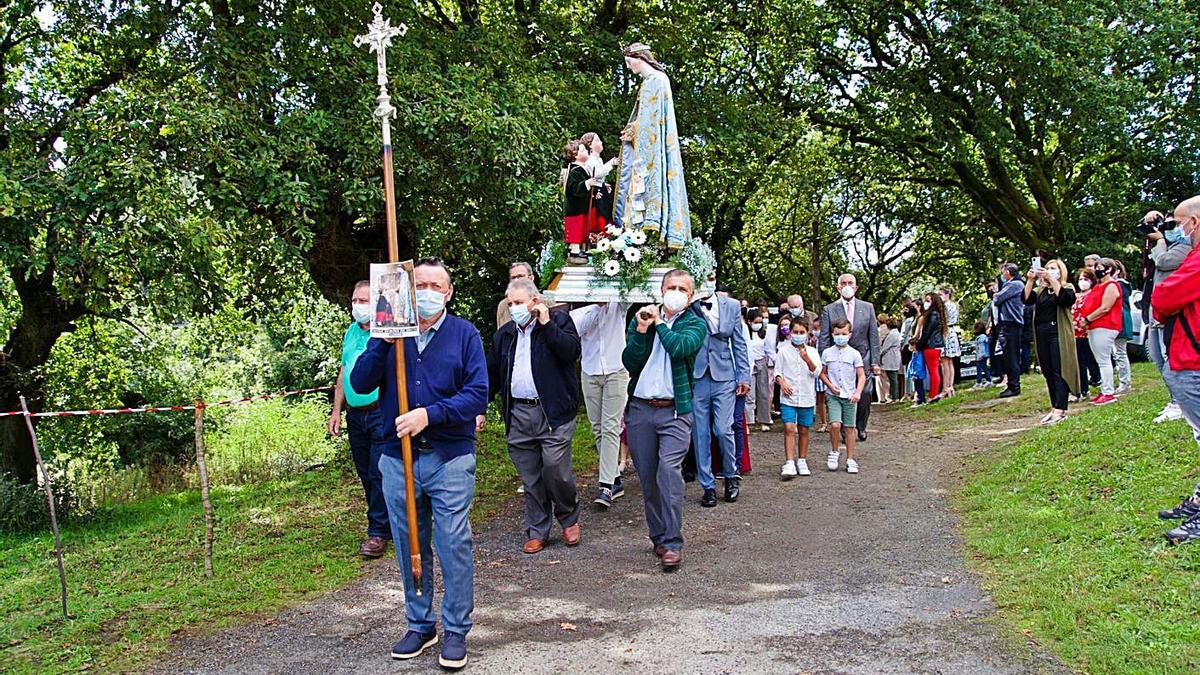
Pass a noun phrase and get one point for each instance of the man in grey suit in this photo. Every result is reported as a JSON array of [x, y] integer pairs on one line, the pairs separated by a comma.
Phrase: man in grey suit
[[864, 337], [721, 374]]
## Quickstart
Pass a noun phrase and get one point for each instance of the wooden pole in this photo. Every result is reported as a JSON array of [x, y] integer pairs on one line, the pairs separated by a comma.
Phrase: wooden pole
[[58, 554], [202, 468]]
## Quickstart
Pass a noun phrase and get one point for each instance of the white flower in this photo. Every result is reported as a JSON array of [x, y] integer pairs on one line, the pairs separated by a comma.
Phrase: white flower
[[632, 254], [619, 244], [611, 268], [613, 230], [638, 238], [603, 245]]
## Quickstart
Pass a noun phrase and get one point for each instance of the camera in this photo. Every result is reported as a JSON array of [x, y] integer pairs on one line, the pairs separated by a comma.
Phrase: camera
[[1156, 224]]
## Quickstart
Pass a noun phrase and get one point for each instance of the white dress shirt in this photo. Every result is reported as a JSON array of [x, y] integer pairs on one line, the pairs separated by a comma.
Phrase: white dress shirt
[[712, 313], [522, 385], [601, 330], [656, 380]]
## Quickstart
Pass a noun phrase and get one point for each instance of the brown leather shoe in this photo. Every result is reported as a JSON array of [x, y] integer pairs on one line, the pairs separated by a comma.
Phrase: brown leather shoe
[[373, 547], [659, 550], [572, 535], [671, 560], [534, 546]]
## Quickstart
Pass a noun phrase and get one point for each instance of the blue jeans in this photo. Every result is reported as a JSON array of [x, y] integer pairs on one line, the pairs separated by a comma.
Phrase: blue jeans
[[712, 414], [1154, 345], [366, 432], [444, 491], [981, 371], [1185, 387]]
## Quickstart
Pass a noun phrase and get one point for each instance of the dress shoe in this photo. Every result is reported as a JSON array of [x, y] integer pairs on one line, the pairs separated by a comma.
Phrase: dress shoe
[[1009, 393], [534, 545], [862, 435], [660, 550], [671, 560], [572, 535], [733, 488], [373, 547], [709, 499]]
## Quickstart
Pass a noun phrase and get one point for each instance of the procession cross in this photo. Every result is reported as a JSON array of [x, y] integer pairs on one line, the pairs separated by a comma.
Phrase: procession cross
[[378, 38]]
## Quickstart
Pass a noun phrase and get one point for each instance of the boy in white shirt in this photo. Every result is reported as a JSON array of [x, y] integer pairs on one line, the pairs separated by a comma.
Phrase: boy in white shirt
[[797, 367], [845, 378]]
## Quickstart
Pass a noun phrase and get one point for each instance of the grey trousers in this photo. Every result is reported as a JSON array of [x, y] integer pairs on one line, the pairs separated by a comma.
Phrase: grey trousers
[[543, 459], [605, 396], [760, 390], [658, 442]]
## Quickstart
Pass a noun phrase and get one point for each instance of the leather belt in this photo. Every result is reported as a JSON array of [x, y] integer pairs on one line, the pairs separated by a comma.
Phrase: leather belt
[[657, 402], [366, 408], [526, 401]]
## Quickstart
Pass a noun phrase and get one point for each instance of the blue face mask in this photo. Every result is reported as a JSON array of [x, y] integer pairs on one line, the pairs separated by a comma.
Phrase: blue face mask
[[799, 339], [519, 314], [430, 303], [1175, 235], [841, 340]]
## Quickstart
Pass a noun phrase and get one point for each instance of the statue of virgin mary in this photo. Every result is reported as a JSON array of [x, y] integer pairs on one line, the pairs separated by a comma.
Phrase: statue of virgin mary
[[651, 194]]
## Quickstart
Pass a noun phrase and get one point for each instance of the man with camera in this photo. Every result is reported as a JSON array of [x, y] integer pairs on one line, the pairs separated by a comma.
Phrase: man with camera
[[1176, 306], [1168, 246]]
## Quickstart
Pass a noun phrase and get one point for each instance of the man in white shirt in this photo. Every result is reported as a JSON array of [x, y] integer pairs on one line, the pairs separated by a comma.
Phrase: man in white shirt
[[601, 329]]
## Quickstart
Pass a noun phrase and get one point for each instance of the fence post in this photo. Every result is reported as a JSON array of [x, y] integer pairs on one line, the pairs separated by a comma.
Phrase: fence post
[[37, 455], [204, 498]]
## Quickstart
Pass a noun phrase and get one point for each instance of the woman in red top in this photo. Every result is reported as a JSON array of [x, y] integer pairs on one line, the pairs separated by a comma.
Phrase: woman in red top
[[1102, 316], [1089, 370]]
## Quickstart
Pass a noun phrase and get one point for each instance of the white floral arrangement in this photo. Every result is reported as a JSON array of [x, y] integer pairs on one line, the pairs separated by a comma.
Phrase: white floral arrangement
[[623, 255], [698, 259]]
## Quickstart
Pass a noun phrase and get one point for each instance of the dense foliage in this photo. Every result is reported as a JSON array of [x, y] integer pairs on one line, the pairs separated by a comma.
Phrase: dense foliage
[[166, 161]]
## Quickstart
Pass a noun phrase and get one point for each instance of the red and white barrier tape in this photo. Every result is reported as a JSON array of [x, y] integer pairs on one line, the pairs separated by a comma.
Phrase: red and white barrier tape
[[126, 411]]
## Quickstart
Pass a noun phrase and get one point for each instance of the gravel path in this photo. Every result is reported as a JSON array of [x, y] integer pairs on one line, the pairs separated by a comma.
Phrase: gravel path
[[831, 573]]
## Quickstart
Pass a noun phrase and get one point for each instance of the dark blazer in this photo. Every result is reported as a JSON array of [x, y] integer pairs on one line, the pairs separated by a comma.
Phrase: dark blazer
[[553, 352], [864, 332]]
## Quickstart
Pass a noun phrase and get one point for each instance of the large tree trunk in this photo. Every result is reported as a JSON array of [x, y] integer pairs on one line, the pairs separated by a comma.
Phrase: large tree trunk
[[43, 319], [342, 252]]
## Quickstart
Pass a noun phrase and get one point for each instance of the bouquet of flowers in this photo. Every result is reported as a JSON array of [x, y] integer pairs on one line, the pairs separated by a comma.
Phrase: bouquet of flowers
[[624, 255]]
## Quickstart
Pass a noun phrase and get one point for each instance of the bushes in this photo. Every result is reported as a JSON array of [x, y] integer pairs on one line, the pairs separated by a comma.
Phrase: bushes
[[23, 507], [268, 439]]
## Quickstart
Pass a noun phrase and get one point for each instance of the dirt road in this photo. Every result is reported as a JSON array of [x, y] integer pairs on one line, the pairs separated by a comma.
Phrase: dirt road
[[831, 573]]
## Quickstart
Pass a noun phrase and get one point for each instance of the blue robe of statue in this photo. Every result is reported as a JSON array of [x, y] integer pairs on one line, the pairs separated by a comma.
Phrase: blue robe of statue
[[650, 190]]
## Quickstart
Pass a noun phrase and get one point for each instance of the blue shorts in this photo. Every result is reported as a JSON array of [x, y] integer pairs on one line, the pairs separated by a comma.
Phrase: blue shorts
[[795, 415]]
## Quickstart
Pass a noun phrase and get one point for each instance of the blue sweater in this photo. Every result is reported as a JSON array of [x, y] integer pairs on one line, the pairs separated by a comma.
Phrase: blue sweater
[[449, 379]]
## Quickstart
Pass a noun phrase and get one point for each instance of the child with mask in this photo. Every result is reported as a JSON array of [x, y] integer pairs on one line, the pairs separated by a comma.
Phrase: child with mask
[[844, 378], [797, 367]]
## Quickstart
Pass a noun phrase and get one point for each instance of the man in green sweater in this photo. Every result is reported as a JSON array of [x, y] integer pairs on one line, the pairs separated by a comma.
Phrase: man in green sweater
[[660, 350]]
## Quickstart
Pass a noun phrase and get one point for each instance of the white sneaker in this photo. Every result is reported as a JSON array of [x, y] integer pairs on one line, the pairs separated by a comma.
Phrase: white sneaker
[[1123, 389], [802, 467], [789, 471], [832, 461], [1169, 414], [851, 466], [765, 427]]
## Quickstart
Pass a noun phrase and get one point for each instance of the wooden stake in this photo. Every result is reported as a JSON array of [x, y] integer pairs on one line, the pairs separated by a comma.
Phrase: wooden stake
[[202, 467], [58, 554]]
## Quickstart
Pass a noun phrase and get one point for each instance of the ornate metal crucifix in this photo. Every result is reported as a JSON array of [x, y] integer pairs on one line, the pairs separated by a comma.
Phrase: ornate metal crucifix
[[378, 38]]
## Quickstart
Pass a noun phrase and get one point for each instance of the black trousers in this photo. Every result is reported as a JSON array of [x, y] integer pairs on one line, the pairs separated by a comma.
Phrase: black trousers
[[1089, 370], [1010, 337], [863, 413], [1050, 358]]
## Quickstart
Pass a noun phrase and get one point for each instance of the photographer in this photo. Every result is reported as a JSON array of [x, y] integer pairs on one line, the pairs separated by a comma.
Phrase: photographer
[[1168, 247]]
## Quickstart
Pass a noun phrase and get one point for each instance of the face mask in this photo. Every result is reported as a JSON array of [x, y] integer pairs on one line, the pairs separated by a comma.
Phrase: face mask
[[675, 300], [361, 313], [799, 339], [519, 314], [756, 326], [795, 311], [1176, 235], [926, 306], [847, 292], [785, 329], [1085, 284], [841, 340], [1101, 271], [1054, 274], [430, 303]]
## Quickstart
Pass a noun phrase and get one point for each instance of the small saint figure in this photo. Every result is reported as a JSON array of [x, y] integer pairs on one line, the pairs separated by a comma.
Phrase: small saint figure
[[650, 193], [584, 198]]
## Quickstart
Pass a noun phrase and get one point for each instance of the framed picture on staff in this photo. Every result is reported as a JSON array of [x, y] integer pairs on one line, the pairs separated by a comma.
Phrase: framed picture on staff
[[394, 298]]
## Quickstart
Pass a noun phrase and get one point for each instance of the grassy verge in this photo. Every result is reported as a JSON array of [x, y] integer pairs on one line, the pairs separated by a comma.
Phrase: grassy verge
[[1062, 523], [136, 571]]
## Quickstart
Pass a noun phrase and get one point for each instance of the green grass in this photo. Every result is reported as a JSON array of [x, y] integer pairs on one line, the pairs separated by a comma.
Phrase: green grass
[[1062, 524], [136, 571]]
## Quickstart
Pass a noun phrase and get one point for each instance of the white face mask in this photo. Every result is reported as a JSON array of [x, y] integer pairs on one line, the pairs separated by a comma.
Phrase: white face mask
[[430, 303], [1085, 284], [927, 305], [361, 313], [1054, 274], [847, 292], [675, 300]]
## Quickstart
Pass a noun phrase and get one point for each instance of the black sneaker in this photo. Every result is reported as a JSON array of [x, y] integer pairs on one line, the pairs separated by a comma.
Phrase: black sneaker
[[1186, 509], [1188, 531], [604, 498], [709, 499], [618, 490]]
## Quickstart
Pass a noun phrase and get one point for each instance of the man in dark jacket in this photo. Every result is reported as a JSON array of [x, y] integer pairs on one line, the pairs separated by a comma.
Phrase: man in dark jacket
[[532, 367]]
